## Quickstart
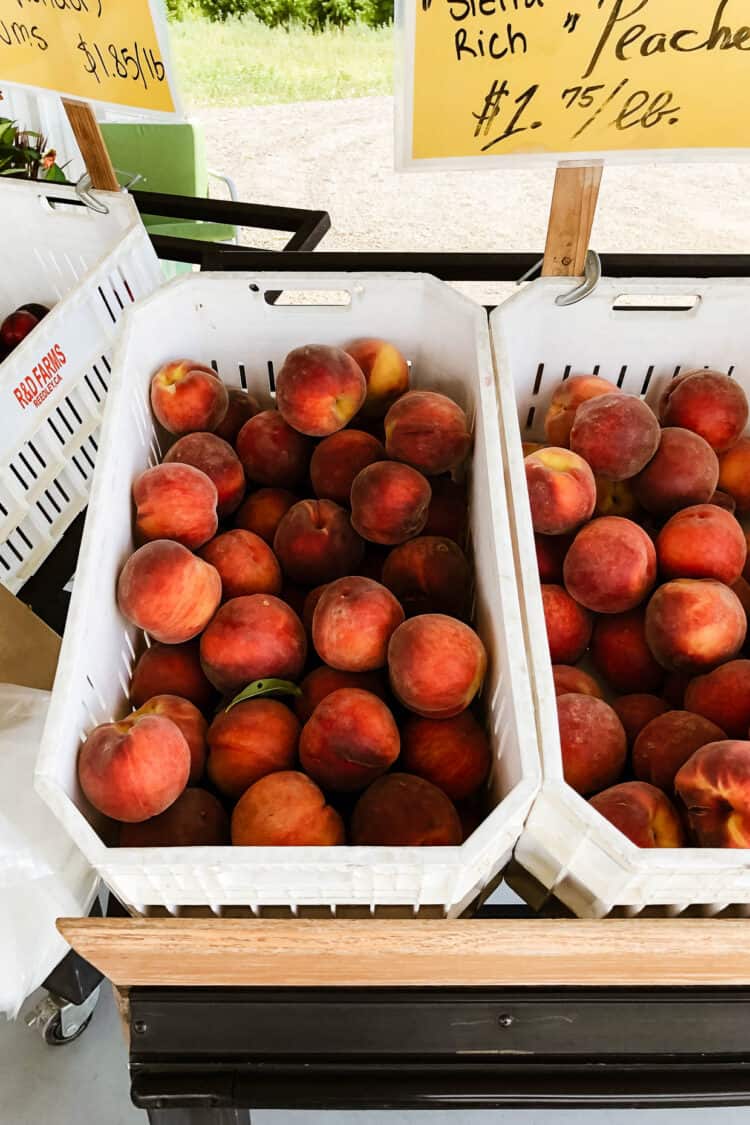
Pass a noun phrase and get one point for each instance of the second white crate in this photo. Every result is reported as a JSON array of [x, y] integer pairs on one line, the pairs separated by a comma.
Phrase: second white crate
[[88, 268], [639, 335], [227, 320]]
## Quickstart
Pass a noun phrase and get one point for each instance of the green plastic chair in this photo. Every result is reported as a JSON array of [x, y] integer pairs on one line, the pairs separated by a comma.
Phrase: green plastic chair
[[169, 158]]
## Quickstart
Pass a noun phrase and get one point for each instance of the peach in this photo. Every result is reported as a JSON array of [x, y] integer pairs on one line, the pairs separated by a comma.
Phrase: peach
[[436, 665], [323, 681], [254, 738], [683, 471], [742, 589], [171, 670], [428, 431], [337, 460], [271, 452], [702, 541], [186, 396], [610, 566], [308, 607], [734, 474], [636, 711], [264, 510], [448, 512], [196, 819], [615, 498], [666, 743], [562, 490], [574, 680], [386, 374], [528, 447], [429, 575], [285, 810], [723, 696], [568, 625], [175, 502], [350, 739], [708, 403], [168, 592], [404, 811], [620, 652], [642, 813], [315, 543], [723, 499], [714, 786], [453, 754], [617, 434], [252, 638], [319, 389], [593, 743], [353, 622], [136, 770], [389, 503], [550, 556], [566, 399], [246, 564], [240, 408], [694, 624], [187, 718], [216, 458]]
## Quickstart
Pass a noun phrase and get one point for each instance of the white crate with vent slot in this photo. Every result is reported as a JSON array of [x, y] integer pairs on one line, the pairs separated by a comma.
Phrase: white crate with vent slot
[[88, 268], [640, 335], [226, 320]]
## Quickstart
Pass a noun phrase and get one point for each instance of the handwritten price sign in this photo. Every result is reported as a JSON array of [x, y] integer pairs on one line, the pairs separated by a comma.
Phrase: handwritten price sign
[[108, 51], [546, 79]]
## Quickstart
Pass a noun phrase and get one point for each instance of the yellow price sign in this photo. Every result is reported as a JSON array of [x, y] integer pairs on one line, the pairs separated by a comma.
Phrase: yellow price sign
[[485, 80], [112, 52]]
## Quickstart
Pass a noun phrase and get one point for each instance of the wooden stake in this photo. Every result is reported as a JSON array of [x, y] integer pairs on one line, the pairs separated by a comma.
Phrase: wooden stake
[[91, 143], [571, 218], [270, 952]]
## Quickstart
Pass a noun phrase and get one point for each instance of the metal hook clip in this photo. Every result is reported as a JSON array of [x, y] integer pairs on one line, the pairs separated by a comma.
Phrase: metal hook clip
[[592, 277], [86, 195]]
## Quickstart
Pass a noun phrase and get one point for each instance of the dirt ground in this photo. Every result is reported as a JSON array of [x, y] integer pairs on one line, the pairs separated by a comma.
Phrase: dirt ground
[[338, 155]]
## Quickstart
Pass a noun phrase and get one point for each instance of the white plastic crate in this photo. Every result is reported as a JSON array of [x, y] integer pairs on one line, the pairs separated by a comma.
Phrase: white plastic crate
[[640, 335], [88, 268], [225, 319]]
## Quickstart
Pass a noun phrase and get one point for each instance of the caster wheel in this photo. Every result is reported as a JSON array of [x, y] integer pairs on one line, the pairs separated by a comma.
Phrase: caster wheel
[[54, 1035]]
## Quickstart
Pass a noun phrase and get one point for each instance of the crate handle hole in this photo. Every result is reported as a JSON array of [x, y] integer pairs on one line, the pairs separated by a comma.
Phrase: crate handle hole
[[656, 302], [304, 298]]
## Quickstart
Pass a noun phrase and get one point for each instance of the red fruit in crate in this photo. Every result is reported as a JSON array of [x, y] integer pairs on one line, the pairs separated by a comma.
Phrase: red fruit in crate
[[39, 311], [16, 328]]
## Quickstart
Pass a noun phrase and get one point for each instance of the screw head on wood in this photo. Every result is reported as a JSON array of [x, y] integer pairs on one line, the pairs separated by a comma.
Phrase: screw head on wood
[[140, 1027], [505, 1020]]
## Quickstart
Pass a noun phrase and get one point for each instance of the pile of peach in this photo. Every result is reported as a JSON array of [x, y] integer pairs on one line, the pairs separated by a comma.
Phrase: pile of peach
[[320, 565], [644, 567]]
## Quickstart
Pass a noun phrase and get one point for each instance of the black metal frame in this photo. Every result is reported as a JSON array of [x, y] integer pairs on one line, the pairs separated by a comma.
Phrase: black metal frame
[[200, 1056], [307, 227], [417, 1048]]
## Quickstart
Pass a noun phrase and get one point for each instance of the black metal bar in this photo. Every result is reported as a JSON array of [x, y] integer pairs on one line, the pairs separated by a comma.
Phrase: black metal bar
[[473, 267], [412, 1048], [478, 1085], [307, 226]]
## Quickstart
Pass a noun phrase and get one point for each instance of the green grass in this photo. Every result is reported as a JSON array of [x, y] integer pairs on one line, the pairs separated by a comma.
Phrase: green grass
[[243, 62]]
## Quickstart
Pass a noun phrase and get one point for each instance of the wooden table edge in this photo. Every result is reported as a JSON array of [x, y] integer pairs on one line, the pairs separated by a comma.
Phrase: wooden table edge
[[238, 952]]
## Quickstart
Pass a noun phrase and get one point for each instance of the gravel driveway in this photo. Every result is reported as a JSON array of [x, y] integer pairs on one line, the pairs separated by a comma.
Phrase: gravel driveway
[[338, 155]]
